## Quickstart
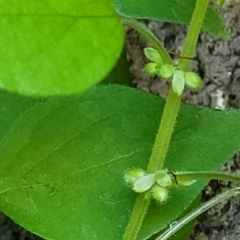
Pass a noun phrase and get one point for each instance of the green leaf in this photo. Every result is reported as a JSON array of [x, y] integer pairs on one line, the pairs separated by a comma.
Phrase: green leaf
[[57, 47], [63, 162], [176, 11], [11, 108], [120, 74]]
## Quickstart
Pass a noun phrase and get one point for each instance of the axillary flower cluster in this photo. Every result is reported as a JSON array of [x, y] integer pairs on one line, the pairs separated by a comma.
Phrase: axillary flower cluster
[[171, 72], [155, 185]]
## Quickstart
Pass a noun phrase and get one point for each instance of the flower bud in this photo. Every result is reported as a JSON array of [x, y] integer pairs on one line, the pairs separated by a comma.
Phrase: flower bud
[[133, 175], [160, 194], [192, 80], [220, 2], [166, 71], [151, 68], [153, 55], [186, 183], [163, 179]]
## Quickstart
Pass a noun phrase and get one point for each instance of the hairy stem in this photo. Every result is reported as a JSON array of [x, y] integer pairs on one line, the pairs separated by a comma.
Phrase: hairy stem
[[135, 222], [193, 33], [170, 113], [164, 132]]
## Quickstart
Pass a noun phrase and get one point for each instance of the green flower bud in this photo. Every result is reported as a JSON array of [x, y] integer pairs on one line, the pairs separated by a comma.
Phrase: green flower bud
[[178, 82], [151, 68], [186, 183], [144, 183], [153, 55], [192, 80], [220, 2], [166, 71], [133, 175], [163, 179], [160, 194]]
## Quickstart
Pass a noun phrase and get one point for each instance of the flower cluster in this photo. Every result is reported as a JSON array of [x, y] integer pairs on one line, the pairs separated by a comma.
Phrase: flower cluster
[[170, 71], [155, 184]]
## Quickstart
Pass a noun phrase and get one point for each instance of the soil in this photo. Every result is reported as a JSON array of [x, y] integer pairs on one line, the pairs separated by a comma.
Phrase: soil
[[218, 64]]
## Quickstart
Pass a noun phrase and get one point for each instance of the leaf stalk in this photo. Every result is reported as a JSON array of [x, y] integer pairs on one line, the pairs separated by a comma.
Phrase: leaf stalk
[[149, 36]]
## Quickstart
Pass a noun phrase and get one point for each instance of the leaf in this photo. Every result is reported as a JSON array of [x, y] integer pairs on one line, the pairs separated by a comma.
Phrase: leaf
[[176, 11], [57, 47], [63, 162], [120, 74], [11, 108]]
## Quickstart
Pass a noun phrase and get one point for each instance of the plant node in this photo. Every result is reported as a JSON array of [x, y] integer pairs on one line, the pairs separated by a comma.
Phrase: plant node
[[179, 77], [154, 185]]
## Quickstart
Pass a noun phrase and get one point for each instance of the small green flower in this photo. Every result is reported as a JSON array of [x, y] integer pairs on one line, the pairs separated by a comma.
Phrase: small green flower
[[178, 82], [153, 55], [166, 71], [151, 68], [163, 179], [160, 194], [192, 80]]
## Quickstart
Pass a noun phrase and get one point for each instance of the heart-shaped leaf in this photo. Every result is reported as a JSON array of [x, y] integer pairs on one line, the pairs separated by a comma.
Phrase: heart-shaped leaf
[[57, 47], [171, 11], [63, 161]]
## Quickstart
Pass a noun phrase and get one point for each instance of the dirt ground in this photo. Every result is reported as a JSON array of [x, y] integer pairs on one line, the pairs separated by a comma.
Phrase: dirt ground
[[218, 64]]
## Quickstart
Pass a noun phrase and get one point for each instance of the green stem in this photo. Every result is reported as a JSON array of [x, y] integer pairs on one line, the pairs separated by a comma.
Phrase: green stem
[[188, 176], [193, 33], [170, 112], [150, 37], [135, 222], [165, 132]]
